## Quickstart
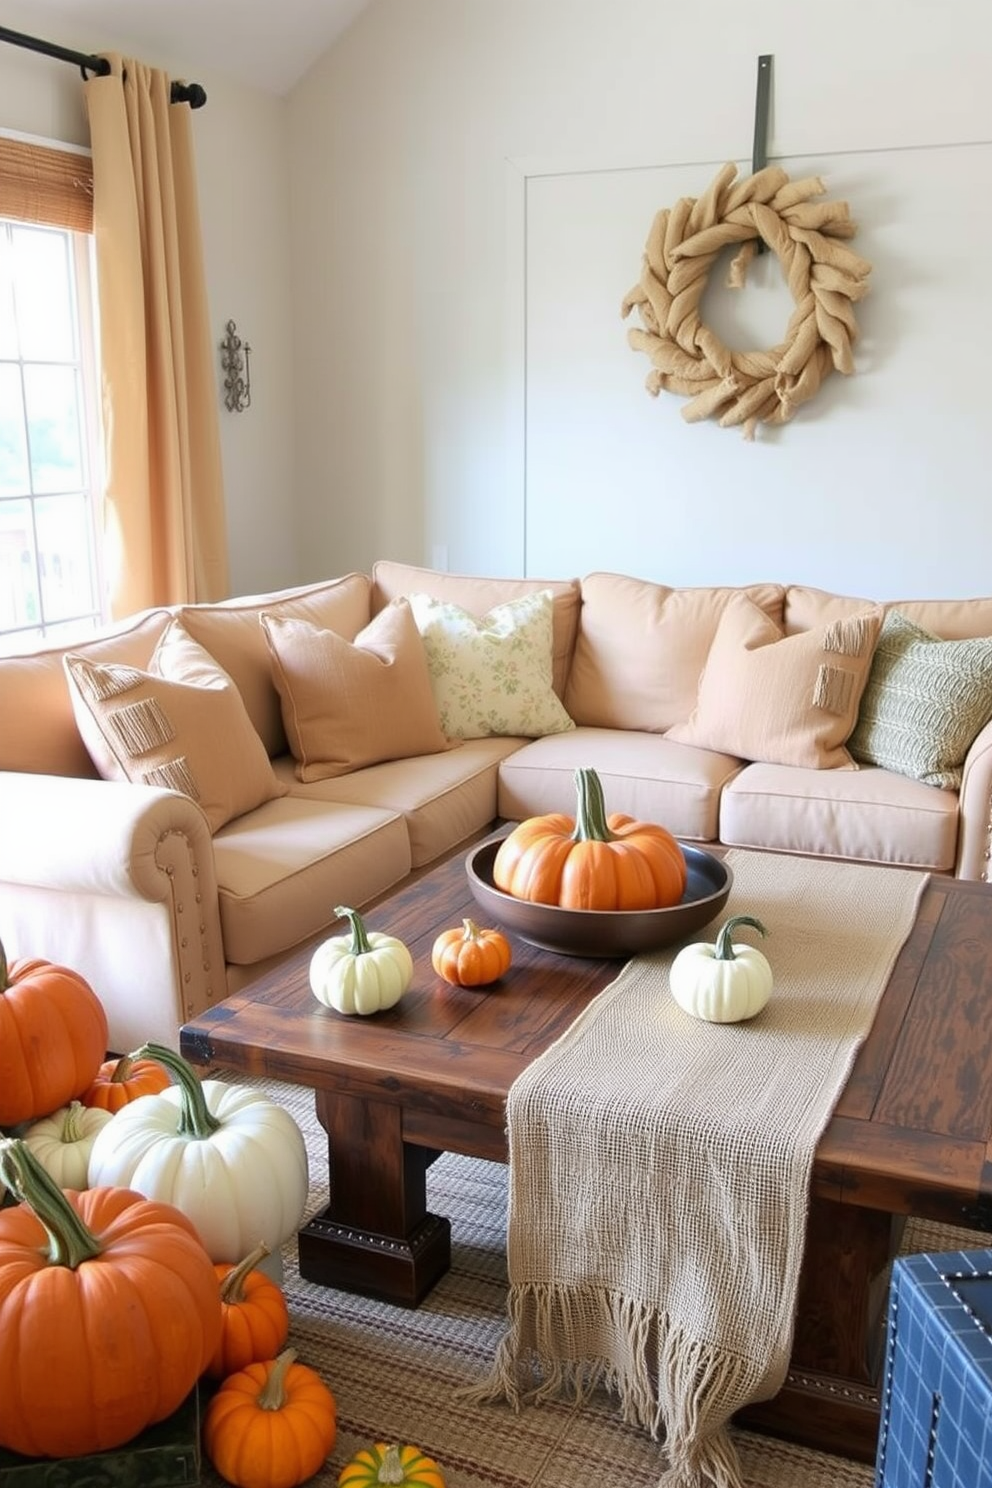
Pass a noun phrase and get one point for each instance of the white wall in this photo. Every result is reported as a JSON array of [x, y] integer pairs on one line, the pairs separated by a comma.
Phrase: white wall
[[240, 144], [427, 424]]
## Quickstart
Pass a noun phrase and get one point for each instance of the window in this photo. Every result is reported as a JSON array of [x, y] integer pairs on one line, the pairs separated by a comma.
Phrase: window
[[51, 585]]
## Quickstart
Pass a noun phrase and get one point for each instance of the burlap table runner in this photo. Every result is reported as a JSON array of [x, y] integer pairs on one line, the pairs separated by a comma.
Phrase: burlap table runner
[[660, 1167]]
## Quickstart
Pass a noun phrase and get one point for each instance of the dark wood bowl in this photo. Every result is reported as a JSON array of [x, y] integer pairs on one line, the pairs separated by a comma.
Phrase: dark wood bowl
[[602, 932]]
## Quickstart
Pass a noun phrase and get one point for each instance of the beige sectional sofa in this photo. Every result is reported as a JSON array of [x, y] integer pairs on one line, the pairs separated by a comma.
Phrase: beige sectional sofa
[[167, 904]]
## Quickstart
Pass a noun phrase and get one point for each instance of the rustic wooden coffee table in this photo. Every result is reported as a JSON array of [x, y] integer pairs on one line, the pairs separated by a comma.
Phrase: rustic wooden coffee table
[[910, 1135]]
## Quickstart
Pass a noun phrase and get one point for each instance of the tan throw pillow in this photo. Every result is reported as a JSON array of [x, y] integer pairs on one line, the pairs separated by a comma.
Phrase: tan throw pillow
[[786, 700], [347, 705], [231, 633], [180, 724]]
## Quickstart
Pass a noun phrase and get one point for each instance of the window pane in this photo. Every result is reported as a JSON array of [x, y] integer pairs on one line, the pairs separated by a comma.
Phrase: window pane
[[52, 398], [65, 560], [13, 439], [43, 294], [19, 599], [8, 332]]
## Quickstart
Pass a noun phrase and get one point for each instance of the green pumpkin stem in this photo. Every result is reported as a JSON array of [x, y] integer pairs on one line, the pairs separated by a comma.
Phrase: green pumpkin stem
[[232, 1288], [195, 1118], [69, 1241], [724, 941], [360, 942], [391, 1469], [4, 978], [71, 1130], [272, 1395], [590, 810]]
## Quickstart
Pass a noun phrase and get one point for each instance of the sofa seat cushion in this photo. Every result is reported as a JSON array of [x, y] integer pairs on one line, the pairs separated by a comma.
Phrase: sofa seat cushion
[[869, 814], [282, 870], [445, 799], [642, 774]]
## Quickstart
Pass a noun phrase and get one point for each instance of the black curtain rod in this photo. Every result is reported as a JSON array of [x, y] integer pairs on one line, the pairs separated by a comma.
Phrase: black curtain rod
[[190, 93]]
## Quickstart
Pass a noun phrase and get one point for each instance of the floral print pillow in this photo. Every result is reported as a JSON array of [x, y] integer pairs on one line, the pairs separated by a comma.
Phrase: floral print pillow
[[492, 675]]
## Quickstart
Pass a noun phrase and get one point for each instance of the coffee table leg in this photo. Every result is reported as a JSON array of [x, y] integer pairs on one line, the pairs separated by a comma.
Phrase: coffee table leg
[[830, 1398], [375, 1236]]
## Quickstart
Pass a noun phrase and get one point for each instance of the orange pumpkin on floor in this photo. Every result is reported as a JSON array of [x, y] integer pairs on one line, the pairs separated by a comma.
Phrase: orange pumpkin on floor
[[254, 1315], [120, 1081], [53, 1036], [108, 1312], [592, 862], [272, 1425]]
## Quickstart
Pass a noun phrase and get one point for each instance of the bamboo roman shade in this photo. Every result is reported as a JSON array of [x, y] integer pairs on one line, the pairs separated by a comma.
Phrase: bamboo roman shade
[[46, 185]]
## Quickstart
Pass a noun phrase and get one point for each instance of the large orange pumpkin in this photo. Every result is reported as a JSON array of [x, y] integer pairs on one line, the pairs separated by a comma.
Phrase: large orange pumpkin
[[120, 1081], [109, 1312], [593, 861], [53, 1037], [254, 1315]]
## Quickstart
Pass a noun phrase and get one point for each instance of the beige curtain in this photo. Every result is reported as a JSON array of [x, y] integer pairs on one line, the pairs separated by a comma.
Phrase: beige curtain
[[166, 532]]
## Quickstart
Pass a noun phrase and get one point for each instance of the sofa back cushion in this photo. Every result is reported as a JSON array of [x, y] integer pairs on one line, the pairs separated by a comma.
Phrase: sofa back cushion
[[477, 595], [41, 736], [231, 632], [785, 700], [641, 648], [950, 619], [179, 724]]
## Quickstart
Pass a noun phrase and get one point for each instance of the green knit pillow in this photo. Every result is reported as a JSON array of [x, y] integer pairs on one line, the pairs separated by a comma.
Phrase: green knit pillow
[[925, 701]]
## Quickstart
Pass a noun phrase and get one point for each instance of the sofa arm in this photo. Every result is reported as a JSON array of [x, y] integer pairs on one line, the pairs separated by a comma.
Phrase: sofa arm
[[975, 827], [117, 881]]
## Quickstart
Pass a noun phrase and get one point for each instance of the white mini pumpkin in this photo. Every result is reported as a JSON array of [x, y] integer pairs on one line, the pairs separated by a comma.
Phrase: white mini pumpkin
[[722, 983], [364, 972], [63, 1141]]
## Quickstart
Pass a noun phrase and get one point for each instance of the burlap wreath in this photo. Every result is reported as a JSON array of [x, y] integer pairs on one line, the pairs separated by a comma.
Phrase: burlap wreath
[[750, 387]]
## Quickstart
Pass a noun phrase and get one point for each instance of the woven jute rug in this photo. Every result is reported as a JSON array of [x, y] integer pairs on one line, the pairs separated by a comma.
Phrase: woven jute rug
[[396, 1373], [660, 1168]]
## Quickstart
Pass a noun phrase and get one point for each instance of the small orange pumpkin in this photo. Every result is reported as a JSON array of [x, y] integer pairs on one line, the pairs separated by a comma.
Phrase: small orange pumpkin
[[592, 862], [53, 1036], [471, 957], [120, 1081], [254, 1315], [271, 1425]]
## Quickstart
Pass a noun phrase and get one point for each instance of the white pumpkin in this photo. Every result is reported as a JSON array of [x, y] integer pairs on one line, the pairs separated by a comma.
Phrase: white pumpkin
[[364, 972], [62, 1142], [232, 1160], [722, 983]]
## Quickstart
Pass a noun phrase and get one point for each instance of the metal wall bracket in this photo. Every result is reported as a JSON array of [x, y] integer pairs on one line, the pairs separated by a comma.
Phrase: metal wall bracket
[[759, 149], [235, 360]]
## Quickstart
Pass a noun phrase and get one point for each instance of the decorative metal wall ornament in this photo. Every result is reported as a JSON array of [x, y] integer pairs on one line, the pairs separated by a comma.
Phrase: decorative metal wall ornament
[[235, 360], [824, 277]]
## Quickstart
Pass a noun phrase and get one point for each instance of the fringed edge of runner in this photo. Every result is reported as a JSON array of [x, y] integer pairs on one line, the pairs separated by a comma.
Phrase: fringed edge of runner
[[669, 1385]]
